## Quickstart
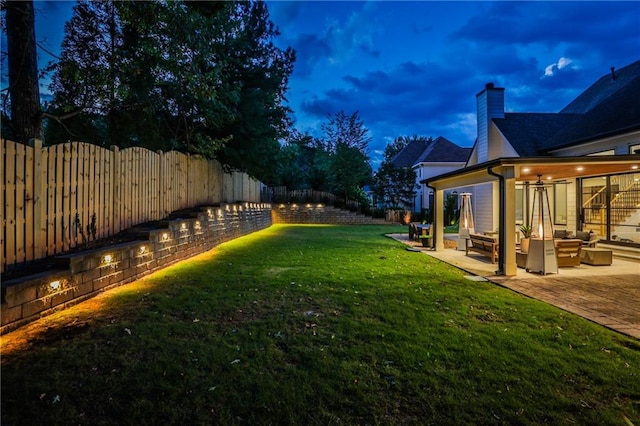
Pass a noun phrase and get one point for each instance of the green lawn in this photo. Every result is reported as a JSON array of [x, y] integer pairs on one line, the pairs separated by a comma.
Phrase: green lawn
[[322, 325]]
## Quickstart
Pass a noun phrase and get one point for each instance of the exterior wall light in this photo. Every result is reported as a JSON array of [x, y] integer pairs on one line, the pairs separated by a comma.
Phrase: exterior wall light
[[54, 285], [107, 259], [142, 250], [165, 236]]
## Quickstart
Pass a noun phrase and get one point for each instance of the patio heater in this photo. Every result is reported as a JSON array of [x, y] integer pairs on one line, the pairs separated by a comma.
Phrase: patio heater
[[465, 223], [542, 252]]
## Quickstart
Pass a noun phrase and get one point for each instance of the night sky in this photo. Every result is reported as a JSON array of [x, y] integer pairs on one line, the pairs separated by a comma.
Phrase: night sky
[[415, 67]]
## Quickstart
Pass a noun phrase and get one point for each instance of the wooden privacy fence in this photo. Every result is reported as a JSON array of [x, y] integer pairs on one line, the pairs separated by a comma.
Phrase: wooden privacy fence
[[51, 194]]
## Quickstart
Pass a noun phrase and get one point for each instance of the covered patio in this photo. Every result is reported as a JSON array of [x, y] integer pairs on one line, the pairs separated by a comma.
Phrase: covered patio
[[505, 174], [606, 295]]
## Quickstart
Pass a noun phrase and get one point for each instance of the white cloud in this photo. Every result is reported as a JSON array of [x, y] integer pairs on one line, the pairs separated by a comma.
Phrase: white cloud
[[562, 62]]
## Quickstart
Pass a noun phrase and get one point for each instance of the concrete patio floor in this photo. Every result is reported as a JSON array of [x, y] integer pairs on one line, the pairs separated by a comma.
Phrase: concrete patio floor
[[606, 295]]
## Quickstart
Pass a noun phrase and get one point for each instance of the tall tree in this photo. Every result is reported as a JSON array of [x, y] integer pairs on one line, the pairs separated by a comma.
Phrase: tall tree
[[348, 130], [26, 114], [200, 77], [396, 185], [261, 71], [350, 170]]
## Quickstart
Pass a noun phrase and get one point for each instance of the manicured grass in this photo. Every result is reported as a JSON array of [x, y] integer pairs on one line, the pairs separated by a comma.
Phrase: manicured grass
[[320, 325]]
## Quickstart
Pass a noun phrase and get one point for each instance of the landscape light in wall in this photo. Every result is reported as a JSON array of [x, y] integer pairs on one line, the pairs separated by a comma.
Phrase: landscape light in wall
[[107, 259], [197, 225], [54, 285], [165, 236], [209, 213], [542, 252], [142, 250], [183, 227], [466, 226]]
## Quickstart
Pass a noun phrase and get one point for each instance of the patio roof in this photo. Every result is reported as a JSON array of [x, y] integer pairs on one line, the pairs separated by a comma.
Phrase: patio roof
[[528, 169]]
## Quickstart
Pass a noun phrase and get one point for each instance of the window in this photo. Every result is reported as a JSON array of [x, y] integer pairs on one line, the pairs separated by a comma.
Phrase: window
[[560, 203], [519, 204], [634, 149]]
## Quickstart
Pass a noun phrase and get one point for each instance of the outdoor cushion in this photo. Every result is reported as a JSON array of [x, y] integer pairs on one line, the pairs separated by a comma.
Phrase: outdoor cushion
[[584, 236], [559, 233]]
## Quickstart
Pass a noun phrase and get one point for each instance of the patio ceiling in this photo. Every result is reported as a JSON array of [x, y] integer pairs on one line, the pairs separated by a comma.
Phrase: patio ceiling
[[527, 169]]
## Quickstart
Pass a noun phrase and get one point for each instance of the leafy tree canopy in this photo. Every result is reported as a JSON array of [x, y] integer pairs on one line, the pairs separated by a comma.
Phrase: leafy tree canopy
[[198, 76]]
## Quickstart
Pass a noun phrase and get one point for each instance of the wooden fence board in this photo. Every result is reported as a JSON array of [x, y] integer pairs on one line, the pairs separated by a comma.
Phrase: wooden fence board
[[10, 200], [40, 200], [3, 224], [20, 202], [29, 201]]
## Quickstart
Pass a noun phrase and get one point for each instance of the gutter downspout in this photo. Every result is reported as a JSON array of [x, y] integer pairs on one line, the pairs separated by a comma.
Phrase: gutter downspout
[[433, 231], [502, 240]]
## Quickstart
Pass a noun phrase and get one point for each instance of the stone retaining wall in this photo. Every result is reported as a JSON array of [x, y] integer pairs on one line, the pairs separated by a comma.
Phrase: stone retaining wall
[[320, 214], [78, 276]]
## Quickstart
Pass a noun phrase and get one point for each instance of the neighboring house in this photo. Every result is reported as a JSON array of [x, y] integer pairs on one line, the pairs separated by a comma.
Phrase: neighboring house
[[587, 155], [430, 158]]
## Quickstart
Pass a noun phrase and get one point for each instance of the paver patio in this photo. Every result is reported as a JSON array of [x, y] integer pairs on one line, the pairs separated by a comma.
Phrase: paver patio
[[606, 295]]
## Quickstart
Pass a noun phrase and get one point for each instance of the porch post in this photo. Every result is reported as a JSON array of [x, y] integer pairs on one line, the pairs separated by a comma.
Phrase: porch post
[[509, 207], [438, 219]]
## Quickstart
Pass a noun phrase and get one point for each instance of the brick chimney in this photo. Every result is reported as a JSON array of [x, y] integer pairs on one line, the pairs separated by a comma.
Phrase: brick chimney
[[490, 104]]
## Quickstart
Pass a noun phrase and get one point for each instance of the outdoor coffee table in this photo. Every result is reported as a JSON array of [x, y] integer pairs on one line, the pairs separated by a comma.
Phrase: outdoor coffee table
[[596, 256]]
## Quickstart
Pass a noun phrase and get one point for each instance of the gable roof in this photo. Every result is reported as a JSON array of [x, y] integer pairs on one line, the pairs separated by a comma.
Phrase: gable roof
[[442, 150], [410, 153], [608, 107], [439, 150]]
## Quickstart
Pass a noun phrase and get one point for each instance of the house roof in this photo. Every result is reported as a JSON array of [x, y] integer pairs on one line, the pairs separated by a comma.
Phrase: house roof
[[618, 113], [439, 150], [603, 88], [410, 153], [528, 131], [608, 107], [442, 150]]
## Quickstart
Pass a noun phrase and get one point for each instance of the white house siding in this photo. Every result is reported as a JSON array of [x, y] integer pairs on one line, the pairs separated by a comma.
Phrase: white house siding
[[485, 205]]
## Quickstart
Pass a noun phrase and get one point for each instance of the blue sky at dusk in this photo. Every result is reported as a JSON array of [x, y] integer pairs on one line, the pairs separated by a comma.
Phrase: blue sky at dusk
[[415, 67]]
